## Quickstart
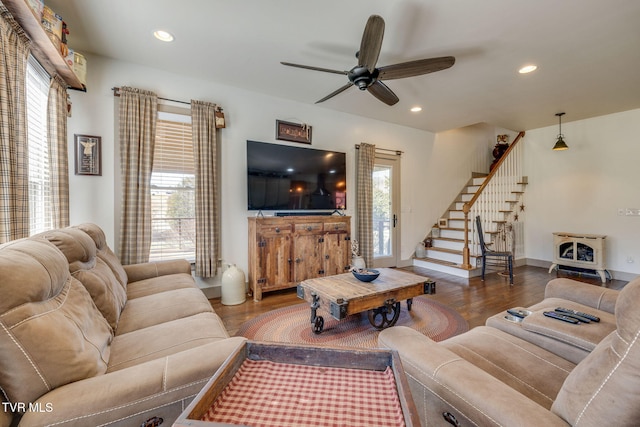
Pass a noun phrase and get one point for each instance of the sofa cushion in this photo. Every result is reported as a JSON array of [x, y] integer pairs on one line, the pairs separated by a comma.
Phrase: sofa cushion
[[572, 342], [162, 307], [107, 291], [167, 338], [155, 285], [525, 367], [604, 388], [104, 252], [51, 332]]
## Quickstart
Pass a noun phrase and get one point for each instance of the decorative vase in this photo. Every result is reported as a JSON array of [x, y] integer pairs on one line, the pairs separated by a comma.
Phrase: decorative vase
[[233, 286], [421, 252], [358, 262]]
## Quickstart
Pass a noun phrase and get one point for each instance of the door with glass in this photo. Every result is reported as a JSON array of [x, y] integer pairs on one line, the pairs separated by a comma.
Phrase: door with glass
[[386, 196]]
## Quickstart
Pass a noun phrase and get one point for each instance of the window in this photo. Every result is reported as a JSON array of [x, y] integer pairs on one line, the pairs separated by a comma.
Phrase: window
[[172, 190], [37, 92]]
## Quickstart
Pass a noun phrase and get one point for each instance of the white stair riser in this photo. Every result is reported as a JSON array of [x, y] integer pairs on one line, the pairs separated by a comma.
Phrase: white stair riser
[[444, 256], [447, 244], [472, 189], [452, 234], [441, 268], [456, 215], [456, 223], [478, 181], [454, 271]]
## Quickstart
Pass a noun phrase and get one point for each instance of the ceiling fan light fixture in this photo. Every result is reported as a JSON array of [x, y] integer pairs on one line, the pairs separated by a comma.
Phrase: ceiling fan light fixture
[[560, 144]]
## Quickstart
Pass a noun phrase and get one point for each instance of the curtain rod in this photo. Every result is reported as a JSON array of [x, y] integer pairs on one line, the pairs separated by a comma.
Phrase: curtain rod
[[116, 92], [397, 152]]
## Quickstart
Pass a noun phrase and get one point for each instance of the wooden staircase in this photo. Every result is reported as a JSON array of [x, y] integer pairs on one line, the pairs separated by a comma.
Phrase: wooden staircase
[[498, 204], [445, 253]]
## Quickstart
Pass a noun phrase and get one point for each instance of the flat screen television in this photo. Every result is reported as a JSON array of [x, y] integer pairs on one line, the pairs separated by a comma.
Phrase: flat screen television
[[284, 177]]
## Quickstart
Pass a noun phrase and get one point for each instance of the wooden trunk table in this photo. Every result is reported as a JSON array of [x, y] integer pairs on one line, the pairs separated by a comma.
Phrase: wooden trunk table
[[274, 384], [342, 295]]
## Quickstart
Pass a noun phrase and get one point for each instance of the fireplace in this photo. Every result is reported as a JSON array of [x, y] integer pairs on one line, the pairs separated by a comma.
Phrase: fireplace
[[581, 251]]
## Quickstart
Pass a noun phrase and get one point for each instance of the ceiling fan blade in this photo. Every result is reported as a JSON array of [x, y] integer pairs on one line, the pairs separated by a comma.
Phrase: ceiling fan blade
[[415, 68], [335, 92], [383, 93], [309, 67], [371, 42]]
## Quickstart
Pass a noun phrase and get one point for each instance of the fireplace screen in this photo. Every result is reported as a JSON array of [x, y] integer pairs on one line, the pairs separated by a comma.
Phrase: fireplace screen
[[583, 252]]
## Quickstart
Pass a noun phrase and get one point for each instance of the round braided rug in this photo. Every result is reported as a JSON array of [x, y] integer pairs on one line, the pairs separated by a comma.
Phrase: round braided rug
[[293, 325]]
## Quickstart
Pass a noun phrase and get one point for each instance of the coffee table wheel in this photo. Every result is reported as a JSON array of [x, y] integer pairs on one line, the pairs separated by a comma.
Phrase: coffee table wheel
[[385, 316], [318, 324]]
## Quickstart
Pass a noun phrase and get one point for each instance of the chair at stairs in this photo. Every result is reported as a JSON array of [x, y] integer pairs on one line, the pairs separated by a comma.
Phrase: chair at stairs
[[491, 257]]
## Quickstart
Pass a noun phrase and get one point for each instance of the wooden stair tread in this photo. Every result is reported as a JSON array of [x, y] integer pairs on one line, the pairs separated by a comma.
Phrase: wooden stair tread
[[448, 239], [447, 250], [439, 261], [452, 228]]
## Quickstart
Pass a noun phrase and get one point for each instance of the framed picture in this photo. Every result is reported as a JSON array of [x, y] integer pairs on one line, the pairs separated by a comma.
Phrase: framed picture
[[88, 154], [443, 223], [293, 132]]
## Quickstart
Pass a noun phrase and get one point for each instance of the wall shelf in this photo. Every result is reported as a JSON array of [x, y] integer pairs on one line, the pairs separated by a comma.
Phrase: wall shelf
[[41, 47]]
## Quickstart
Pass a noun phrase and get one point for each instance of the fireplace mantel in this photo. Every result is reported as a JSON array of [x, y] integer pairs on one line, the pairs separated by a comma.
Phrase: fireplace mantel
[[580, 251]]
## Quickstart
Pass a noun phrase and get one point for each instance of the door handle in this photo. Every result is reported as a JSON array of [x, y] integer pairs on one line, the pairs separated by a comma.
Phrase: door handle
[[395, 220]]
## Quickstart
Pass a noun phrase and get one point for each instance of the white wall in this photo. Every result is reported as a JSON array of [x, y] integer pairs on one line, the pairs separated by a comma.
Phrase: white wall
[[581, 189], [250, 116], [578, 190]]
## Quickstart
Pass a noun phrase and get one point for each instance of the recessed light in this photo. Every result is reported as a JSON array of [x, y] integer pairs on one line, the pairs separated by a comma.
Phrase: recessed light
[[163, 35], [527, 69], [416, 109]]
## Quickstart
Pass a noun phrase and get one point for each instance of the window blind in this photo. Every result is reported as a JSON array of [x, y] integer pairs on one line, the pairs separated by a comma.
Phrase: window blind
[[172, 189], [37, 92]]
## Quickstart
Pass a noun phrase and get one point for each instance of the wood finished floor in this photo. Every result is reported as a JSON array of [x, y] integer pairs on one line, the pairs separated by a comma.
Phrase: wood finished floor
[[474, 299]]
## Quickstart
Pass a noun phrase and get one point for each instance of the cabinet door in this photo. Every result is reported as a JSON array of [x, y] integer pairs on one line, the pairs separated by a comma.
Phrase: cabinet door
[[274, 266], [307, 257], [337, 251]]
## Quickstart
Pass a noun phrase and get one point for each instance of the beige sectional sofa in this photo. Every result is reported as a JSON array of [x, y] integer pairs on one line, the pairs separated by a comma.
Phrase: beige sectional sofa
[[85, 341], [536, 372]]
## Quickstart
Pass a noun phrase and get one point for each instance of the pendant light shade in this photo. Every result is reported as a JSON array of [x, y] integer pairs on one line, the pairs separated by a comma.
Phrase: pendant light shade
[[560, 144]]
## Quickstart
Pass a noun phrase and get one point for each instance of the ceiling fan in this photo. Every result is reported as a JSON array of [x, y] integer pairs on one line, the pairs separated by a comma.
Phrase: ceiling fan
[[366, 76]]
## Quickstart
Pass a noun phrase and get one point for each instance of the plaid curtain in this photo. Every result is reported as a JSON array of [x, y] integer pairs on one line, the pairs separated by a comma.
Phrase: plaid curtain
[[58, 159], [14, 162], [205, 151], [364, 202], [138, 114]]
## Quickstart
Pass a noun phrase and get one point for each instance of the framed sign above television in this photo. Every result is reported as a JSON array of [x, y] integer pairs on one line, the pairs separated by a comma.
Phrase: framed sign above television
[[284, 177], [293, 132]]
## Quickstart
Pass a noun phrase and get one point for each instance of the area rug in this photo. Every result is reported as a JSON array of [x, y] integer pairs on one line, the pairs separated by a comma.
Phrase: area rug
[[293, 325]]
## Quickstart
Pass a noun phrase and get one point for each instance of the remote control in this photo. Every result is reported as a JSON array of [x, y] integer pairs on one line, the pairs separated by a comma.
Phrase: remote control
[[518, 313], [578, 313], [575, 316], [556, 315]]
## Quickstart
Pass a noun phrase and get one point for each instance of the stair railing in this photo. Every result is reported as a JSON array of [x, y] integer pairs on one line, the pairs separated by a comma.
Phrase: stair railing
[[489, 200]]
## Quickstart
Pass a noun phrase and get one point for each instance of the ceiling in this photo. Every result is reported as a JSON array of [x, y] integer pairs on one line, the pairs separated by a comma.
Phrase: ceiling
[[587, 52]]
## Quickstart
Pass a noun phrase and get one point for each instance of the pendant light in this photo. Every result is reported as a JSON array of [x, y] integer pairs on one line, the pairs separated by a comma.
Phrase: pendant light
[[560, 144]]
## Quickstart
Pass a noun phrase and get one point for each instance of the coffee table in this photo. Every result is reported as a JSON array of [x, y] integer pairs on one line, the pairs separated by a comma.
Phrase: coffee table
[[342, 295]]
